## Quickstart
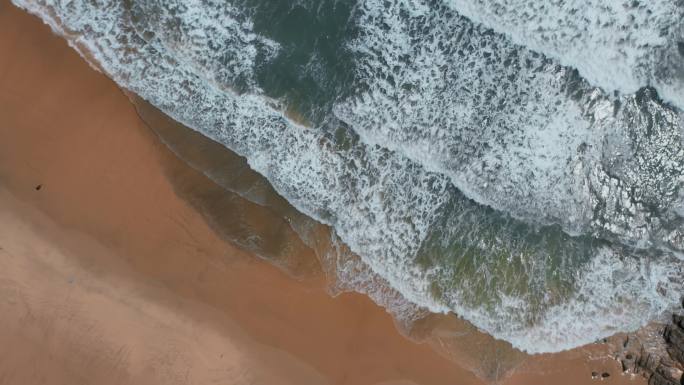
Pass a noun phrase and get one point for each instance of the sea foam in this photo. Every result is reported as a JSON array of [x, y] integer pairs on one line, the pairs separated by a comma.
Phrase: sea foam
[[513, 129], [618, 45], [403, 210]]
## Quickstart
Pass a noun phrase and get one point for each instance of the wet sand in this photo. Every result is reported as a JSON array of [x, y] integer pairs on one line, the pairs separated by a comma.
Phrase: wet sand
[[109, 274]]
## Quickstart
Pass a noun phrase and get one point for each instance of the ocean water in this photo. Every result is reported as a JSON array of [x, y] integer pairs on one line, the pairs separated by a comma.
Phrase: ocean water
[[516, 163]]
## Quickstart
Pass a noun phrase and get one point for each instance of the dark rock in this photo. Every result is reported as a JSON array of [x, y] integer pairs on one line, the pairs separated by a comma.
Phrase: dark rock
[[594, 374], [676, 355], [662, 364], [648, 362], [678, 320], [666, 375], [38, 187], [605, 375], [674, 336], [659, 379], [629, 362]]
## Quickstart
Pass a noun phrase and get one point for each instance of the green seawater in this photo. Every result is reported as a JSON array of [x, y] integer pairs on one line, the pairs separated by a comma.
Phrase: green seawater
[[314, 67]]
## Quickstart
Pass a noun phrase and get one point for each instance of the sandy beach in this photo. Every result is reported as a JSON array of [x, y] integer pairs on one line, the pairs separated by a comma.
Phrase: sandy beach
[[111, 274]]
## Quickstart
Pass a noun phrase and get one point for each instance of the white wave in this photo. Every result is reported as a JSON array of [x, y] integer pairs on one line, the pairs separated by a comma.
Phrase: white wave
[[616, 44], [512, 129], [213, 37], [382, 204], [612, 293]]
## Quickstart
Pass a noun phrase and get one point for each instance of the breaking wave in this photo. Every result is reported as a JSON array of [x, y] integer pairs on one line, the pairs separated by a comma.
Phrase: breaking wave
[[475, 165]]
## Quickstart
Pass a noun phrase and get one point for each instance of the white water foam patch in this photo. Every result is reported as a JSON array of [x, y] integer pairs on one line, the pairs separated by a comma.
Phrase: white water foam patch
[[543, 291], [212, 36], [512, 129], [614, 293], [381, 204], [616, 44]]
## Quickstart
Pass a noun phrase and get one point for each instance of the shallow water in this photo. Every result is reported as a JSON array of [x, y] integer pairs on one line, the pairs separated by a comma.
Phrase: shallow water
[[472, 163]]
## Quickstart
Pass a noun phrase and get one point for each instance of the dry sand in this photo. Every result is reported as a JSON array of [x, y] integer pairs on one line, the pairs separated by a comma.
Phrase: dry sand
[[107, 276]]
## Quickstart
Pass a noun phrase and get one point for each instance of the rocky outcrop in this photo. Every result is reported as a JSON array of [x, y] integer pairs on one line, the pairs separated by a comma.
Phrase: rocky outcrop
[[674, 336], [656, 352]]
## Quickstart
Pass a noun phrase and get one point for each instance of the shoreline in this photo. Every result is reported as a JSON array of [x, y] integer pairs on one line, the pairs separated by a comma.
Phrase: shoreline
[[110, 188], [105, 177]]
